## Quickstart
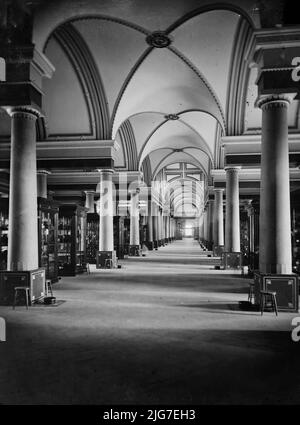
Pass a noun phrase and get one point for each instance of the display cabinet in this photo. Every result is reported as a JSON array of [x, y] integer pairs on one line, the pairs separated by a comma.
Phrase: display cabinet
[[47, 233], [3, 233], [71, 240], [92, 237], [296, 239]]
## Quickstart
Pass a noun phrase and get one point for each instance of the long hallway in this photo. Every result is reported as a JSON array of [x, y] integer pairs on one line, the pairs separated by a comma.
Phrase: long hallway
[[164, 329]]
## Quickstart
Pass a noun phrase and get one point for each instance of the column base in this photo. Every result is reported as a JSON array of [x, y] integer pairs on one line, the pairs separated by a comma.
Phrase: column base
[[286, 287], [102, 256], [253, 263], [33, 279], [119, 251], [231, 260], [218, 250], [134, 251], [149, 245]]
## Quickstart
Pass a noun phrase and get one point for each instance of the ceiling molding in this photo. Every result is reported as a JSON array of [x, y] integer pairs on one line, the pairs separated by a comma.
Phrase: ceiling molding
[[129, 77], [128, 141], [238, 80], [100, 18], [211, 8]]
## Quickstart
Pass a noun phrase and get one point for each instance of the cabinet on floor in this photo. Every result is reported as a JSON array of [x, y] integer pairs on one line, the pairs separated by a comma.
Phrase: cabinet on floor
[[3, 233], [92, 237], [47, 233], [71, 240]]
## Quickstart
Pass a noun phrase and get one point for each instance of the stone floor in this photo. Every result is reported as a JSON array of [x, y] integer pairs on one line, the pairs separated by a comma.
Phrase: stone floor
[[163, 329]]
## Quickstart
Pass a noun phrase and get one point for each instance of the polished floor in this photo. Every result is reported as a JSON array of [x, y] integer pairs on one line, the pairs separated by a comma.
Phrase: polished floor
[[164, 329]]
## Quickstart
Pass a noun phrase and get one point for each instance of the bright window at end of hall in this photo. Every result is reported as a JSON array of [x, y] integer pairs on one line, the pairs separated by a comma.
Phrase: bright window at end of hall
[[2, 70]]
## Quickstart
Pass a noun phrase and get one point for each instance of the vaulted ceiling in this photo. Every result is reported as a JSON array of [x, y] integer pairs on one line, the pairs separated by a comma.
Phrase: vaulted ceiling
[[166, 80]]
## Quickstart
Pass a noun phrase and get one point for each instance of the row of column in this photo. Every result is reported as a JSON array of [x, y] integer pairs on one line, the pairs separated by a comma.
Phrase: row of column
[[275, 254], [275, 226]]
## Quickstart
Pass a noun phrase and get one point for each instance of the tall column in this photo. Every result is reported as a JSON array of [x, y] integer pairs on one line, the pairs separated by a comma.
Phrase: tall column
[[150, 226], [42, 183], [106, 226], [167, 230], [205, 224], [218, 219], [275, 222], [23, 230], [253, 213], [155, 224], [162, 229], [210, 208], [159, 227], [201, 226], [134, 223], [232, 221], [90, 201]]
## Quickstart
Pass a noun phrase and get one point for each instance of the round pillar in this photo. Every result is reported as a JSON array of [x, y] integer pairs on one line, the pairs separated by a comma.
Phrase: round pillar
[[90, 201], [23, 229], [218, 218], [275, 222], [210, 209], [42, 176], [134, 218], [106, 227], [232, 221], [205, 224], [150, 223]]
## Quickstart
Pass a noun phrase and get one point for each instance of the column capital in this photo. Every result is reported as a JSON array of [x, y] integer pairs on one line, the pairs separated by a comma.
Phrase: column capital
[[105, 171], [89, 192], [43, 172], [273, 101], [27, 112], [233, 168], [219, 190]]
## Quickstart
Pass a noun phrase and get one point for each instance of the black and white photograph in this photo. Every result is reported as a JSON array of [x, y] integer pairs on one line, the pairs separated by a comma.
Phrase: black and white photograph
[[149, 207]]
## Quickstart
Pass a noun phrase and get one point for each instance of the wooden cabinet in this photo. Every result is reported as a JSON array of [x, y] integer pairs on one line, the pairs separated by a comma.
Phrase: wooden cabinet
[[3, 233], [296, 239], [71, 240], [47, 233], [92, 237]]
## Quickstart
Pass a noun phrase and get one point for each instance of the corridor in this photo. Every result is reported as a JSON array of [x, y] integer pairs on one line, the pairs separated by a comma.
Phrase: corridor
[[164, 329]]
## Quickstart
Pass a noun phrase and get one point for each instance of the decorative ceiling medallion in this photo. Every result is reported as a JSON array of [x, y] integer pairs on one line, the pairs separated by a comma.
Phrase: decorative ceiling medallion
[[158, 39], [172, 117]]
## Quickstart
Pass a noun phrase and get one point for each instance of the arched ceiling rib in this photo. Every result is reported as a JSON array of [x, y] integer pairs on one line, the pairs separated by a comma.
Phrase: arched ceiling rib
[[207, 40], [174, 135], [65, 102], [174, 157], [83, 62], [173, 88], [117, 49], [153, 15]]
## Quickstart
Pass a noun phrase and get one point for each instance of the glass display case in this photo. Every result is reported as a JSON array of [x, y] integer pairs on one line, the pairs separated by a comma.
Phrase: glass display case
[[92, 237], [296, 240], [3, 233], [47, 225], [71, 240]]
